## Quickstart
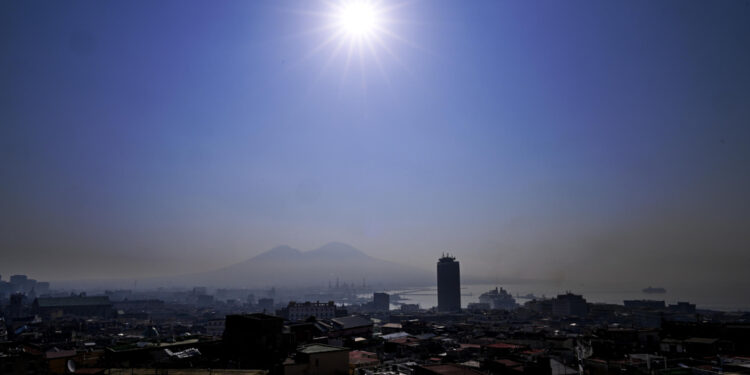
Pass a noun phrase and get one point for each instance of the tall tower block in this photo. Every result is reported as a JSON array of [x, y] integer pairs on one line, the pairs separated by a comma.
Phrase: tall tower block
[[449, 284]]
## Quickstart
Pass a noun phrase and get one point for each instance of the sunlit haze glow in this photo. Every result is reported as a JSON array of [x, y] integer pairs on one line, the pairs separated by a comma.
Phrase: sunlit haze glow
[[357, 38], [358, 18]]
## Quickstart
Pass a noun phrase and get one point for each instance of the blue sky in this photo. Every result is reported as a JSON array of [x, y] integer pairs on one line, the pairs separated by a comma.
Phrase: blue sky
[[577, 139]]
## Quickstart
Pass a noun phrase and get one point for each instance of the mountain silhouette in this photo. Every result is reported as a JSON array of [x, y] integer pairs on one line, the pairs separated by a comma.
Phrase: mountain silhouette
[[278, 253], [287, 266], [336, 250]]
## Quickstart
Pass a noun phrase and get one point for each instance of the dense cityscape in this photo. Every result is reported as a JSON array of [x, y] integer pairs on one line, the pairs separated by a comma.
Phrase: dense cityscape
[[548, 187], [351, 329]]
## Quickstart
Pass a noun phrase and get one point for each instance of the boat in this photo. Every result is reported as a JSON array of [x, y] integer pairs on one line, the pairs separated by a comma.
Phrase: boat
[[527, 296], [498, 299], [657, 290]]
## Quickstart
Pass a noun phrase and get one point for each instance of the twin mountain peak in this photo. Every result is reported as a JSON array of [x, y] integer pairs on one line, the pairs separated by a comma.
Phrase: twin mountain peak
[[287, 266], [332, 251]]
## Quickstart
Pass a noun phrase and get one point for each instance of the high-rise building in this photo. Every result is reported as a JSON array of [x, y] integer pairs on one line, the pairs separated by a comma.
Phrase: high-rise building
[[381, 301], [449, 284]]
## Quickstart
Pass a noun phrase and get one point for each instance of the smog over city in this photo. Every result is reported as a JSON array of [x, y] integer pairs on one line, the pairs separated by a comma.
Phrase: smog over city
[[196, 175]]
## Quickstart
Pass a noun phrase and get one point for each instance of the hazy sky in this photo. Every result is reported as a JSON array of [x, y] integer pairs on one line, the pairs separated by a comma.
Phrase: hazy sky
[[591, 140]]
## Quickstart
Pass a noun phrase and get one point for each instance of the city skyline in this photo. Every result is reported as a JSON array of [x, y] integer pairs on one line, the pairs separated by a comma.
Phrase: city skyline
[[374, 187], [575, 142]]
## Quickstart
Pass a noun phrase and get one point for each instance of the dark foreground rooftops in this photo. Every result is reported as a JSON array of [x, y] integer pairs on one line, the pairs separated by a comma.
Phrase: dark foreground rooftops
[[320, 348]]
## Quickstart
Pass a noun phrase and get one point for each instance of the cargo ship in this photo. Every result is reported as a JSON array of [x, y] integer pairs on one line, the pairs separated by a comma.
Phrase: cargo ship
[[657, 290]]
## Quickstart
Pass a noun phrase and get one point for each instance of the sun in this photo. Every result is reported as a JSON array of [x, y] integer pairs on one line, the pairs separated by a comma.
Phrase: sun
[[359, 36], [358, 18]]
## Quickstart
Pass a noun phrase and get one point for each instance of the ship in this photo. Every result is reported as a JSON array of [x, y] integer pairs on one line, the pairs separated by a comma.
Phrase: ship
[[657, 290], [498, 299], [529, 296]]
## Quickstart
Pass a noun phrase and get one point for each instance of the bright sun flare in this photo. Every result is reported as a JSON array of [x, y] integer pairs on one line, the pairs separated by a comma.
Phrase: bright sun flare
[[358, 18], [360, 31]]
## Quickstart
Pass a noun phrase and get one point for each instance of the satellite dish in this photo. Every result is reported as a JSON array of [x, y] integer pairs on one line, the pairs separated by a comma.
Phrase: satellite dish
[[71, 366]]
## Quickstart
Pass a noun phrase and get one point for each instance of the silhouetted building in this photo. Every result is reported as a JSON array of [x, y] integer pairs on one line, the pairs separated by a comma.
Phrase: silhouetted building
[[15, 309], [319, 359], [215, 327], [570, 304], [683, 307], [449, 284], [543, 306], [381, 301], [644, 304], [254, 340]]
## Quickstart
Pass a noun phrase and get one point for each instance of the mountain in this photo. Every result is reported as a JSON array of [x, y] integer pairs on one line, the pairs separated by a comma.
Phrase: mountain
[[336, 251], [282, 252], [286, 266]]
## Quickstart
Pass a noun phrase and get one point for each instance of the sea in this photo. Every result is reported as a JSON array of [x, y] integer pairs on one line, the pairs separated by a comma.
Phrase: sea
[[426, 297]]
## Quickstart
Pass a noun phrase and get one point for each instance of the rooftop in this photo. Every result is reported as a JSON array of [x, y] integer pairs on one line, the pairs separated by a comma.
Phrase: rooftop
[[359, 357], [701, 340], [348, 322], [503, 345], [53, 354], [447, 258], [395, 335], [320, 348]]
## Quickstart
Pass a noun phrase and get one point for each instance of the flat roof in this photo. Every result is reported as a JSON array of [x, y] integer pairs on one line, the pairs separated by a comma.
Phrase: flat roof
[[320, 348]]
